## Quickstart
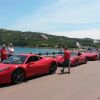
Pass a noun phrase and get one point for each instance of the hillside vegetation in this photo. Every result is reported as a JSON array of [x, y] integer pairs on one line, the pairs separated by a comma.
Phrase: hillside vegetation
[[33, 39]]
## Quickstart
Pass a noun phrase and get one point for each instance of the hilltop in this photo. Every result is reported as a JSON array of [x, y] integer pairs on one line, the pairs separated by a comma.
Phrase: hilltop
[[38, 39]]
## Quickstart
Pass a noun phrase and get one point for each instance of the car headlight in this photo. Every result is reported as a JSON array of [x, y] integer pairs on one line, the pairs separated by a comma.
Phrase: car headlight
[[3, 69]]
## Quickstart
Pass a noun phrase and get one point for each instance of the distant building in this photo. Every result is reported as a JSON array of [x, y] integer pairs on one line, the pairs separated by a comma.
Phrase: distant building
[[44, 36], [78, 44], [96, 41]]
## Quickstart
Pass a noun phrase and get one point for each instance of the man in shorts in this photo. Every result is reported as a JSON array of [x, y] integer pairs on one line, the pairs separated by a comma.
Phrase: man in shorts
[[66, 62]]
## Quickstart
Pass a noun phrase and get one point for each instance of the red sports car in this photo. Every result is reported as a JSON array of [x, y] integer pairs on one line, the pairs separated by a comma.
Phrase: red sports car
[[75, 59], [92, 54], [19, 67]]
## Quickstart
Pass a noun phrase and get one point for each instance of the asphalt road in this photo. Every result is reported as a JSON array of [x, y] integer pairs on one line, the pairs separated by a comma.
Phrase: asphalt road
[[82, 84]]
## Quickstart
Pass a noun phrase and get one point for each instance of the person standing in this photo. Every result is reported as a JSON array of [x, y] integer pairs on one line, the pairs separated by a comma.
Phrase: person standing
[[10, 50], [66, 62], [4, 53]]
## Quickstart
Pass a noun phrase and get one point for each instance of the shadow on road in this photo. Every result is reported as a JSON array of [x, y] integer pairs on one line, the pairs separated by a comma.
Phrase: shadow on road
[[25, 81]]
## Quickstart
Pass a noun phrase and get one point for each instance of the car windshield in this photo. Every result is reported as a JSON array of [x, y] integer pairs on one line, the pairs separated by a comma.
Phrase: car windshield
[[91, 51], [73, 54], [15, 59]]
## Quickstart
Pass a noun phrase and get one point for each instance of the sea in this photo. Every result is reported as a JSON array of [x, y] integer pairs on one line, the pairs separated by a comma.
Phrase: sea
[[19, 50]]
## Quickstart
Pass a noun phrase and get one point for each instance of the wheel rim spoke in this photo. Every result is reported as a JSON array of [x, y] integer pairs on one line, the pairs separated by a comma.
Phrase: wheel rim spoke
[[18, 76]]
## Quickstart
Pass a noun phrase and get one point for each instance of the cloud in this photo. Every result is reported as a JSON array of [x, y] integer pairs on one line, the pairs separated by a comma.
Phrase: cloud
[[60, 14], [93, 33]]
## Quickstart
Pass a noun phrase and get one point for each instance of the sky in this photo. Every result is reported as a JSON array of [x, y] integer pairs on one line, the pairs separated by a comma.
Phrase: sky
[[71, 18]]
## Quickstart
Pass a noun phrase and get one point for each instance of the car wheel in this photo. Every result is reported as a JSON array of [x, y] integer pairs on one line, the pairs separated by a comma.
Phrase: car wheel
[[18, 76], [85, 61], [53, 68]]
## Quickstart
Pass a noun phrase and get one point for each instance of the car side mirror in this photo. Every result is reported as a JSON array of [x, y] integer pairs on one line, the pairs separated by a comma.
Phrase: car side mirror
[[30, 63]]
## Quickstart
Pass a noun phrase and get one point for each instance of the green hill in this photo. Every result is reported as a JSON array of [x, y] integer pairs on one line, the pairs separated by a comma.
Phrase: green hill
[[32, 39]]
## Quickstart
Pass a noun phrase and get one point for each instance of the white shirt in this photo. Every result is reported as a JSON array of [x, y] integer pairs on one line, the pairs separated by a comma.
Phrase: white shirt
[[10, 50]]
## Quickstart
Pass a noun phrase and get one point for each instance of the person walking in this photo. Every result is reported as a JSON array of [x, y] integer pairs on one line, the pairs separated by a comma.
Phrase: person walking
[[66, 62], [4, 53], [10, 50]]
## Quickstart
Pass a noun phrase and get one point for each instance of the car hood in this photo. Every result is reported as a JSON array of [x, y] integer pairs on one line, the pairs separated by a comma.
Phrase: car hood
[[2, 66], [73, 57], [59, 58], [91, 54]]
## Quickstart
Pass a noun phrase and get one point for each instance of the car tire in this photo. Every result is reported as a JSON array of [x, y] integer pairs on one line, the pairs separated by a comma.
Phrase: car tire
[[85, 61], [18, 76], [53, 68]]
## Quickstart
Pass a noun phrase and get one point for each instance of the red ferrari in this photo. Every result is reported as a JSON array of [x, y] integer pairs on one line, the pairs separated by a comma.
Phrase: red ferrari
[[75, 59], [19, 67], [92, 54]]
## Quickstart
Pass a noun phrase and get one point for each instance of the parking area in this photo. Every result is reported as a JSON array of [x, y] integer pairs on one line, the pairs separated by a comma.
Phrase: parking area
[[82, 84]]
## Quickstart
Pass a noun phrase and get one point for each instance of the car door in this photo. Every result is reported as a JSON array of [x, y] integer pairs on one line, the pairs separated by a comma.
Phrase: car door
[[82, 58], [35, 66]]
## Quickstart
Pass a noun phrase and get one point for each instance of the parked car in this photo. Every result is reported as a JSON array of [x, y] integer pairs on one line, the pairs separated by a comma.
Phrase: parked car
[[19, 67], [92, 54], [75, 59]]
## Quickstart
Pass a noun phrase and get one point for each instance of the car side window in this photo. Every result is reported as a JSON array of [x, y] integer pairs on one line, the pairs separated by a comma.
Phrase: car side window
[[33, 59]]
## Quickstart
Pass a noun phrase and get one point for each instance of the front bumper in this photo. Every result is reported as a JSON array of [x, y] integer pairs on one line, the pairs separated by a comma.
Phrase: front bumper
[[5, 77], [92, 57]]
